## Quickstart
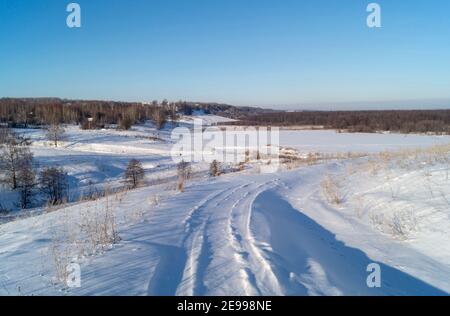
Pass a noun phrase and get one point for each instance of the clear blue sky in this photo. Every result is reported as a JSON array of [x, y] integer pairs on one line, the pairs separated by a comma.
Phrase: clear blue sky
[[244, 52]]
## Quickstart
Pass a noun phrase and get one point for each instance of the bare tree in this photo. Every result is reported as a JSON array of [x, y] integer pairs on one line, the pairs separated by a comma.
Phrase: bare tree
[[126, 123], [56, 133], [54, 183], [173, 113], [4, 134], [159, 117], [135, 173], [14, 154], [26, 182]]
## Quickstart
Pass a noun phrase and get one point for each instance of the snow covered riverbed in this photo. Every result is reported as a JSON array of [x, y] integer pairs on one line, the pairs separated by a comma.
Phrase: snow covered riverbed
[[330, 141]]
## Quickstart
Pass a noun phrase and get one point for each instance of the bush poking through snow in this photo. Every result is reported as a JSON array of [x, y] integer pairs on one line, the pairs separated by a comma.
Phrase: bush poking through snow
[[332, 190], [61, 257], [403, 223], [215, 169], [99, 227], [134, 174], [78, 237], [155, 200], [184, 171], [400, 224]]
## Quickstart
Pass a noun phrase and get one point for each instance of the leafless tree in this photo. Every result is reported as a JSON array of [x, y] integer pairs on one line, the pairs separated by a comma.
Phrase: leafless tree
[[159, 117], [26, 182], [14, 155], [4, 134], [134, 174], [56, 133], [173, 113], [54, 183], [126, 123]]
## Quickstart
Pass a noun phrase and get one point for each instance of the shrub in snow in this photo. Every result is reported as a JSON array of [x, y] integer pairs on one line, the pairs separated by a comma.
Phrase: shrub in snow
[[134, 174], [403, 223], [184, 173], [99, 227], [215, 169], [331, 190]]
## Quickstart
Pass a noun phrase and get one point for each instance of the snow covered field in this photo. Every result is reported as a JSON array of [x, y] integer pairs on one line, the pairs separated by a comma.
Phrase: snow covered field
[[309, 230], [329, 141]]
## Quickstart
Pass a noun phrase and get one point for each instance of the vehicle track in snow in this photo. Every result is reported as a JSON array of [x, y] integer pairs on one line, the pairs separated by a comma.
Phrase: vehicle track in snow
[[197, 243], [220, 257], [258, 272]]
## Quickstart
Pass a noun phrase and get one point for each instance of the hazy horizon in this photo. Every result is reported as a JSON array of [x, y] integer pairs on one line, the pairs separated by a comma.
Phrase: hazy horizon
[[433, 104]]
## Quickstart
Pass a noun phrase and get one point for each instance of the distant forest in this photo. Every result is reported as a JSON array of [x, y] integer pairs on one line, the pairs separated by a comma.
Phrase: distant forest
[[43, 111], [97, 114], [405, 121], [93, 114]]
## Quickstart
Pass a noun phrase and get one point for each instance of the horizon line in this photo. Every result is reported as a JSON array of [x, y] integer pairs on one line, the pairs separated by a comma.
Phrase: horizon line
[[378, 105]]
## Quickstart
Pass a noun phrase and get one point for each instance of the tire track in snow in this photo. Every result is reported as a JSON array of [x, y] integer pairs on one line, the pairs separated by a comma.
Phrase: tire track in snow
[[258, 270], [229, 263], [173, 260], [232, 268], [197, 244], [221, 256], [221, 263]]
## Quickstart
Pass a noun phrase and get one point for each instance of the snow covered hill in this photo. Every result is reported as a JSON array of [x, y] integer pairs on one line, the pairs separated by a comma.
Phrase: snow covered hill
[[310, 230]]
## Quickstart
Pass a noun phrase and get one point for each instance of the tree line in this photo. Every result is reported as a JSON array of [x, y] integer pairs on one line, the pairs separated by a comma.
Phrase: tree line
[[87, 114], [405, 121], [92, 114]]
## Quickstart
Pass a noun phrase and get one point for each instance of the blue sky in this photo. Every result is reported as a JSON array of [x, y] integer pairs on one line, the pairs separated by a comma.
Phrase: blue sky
[[286, 53]]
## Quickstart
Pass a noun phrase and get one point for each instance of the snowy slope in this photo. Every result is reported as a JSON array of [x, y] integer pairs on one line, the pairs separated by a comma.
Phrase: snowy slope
[[244, 233], [253, 235]]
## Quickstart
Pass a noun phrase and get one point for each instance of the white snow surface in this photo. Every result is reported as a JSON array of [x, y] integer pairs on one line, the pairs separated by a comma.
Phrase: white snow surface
[[245, 233]]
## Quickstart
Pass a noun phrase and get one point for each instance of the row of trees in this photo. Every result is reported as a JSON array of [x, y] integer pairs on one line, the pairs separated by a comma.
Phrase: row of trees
[[134, 174], [99, 114], [18, 172], [91, 114], [407, 121]]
